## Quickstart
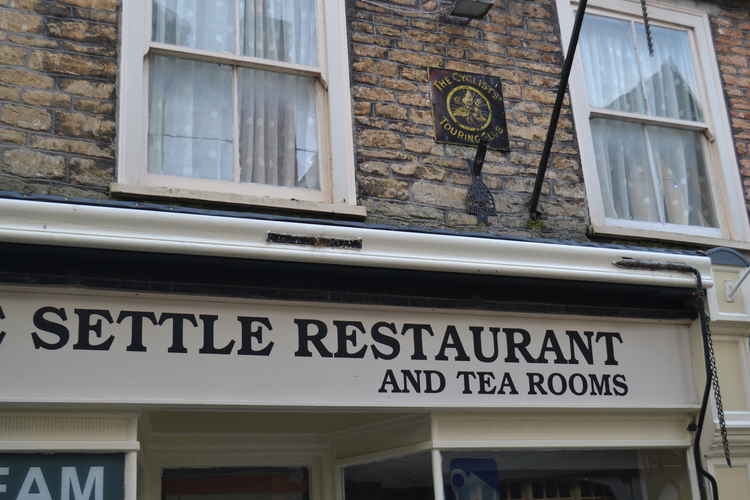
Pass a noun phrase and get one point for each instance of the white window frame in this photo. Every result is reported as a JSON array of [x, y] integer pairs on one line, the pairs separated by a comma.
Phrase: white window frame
[[338, 188], [723, 171]]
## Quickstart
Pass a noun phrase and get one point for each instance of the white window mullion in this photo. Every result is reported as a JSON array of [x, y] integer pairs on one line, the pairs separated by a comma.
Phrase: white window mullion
[[649, 120], [655, 177], [149, 21], [237, 27], [235, 60], [236, 93], [700, 80], [236, 128], [639, 65]]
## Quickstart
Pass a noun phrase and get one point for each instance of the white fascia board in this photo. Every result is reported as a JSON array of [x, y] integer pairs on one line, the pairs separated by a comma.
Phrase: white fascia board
[[34, 222]]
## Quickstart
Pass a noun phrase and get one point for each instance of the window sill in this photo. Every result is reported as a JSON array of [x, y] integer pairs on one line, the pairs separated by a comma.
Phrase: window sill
[[244, 200], [670, 233]]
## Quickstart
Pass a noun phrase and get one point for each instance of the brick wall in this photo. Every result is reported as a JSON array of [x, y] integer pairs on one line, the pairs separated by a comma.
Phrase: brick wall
[[404, 176], [58, 64], [58, 67], [731, 32]]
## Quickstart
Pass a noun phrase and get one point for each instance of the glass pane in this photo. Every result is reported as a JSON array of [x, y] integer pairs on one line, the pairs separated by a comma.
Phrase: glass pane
[[257, 483], [282, 30], [650, 173], [590, 475], [190, 119], [624, 171], [403, 478], [611, 67], [198, 24], [622, 75], [278, 129], [668, 76], [682, 169]]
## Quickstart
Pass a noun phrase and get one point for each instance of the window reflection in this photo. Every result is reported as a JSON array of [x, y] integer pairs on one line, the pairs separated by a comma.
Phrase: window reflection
[[570, 475], [402, 478], [234, 483]]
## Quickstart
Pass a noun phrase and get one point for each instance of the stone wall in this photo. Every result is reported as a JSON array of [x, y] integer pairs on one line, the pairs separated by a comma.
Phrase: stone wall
[[404, 176], [58, 69], [731, 32], [58, 65]]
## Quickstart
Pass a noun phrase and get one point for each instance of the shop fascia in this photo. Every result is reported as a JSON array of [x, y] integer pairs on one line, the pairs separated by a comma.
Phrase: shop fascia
[[478, 378]]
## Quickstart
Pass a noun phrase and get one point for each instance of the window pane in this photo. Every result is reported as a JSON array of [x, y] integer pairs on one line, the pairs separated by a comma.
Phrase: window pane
[[590, 475], [198, 24], [622, 75], [403, 478], [282, 30], [610, 64], [655, 174], [669, 80], [278, 129], [250, 483], [190, 119], [624, 171], [687, 194]]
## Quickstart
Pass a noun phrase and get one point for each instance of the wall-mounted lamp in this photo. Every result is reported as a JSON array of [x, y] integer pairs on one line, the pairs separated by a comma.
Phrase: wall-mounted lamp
[[472, 9]]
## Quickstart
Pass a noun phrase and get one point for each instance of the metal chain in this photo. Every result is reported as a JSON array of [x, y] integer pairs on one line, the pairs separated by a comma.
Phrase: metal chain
[[715, 383], [647, 25]]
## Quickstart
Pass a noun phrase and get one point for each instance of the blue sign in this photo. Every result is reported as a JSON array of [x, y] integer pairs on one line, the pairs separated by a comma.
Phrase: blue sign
[[64, 476]]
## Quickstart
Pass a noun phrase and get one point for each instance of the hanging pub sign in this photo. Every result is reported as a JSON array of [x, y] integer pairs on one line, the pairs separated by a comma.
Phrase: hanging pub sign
[[468, 109]]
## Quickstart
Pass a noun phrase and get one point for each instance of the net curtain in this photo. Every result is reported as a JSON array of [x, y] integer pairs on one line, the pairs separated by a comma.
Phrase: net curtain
[[192, 103], [647, 173]]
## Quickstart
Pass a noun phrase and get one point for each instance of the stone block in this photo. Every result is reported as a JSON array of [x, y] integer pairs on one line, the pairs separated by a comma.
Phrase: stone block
[[95, 4], [27, 163], [438, 194], [379, 139], [20, 22], [71, 146], [46, 98], [24, 78], [82, 125], [12, 55], [393, 111], [82, 31], [88, 88], [8, 136], [69, 64], [383, 188], [85, 171], [26, 117]]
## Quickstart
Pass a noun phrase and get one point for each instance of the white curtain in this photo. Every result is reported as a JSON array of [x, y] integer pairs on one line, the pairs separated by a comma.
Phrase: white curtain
[[647, 173], [198, 24], [283, 30], [190, 119], [278, 121], [192, 108], [278, 129]]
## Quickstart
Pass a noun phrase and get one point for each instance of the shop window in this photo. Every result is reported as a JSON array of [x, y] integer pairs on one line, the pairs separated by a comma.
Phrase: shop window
[[526, 475], [262, 483], [653, 130], [239, 97], [569, 475], [402, 478]]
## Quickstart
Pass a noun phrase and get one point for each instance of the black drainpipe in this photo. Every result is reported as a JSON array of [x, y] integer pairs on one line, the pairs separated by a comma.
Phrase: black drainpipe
[[712, 378], [564, 77]]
